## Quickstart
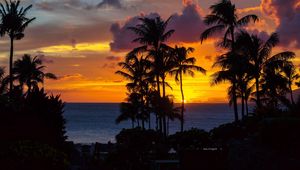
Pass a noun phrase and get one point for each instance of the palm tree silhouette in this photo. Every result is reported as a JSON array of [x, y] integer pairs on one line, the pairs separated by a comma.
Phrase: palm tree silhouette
[[3, 81], [292, 76], [259, 54], [129, 110], [152, 33], [14, 22], [29, 71], [274, 83], [230, 68], [184, 65], [224, 17], [137, 71]]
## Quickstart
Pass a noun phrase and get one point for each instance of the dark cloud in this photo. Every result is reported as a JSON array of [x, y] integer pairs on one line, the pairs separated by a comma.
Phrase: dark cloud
[[188, 26], [113, 58], [45, 59], [122, 37], [59, 34], [63, 4], [110, 3], [286, 14]]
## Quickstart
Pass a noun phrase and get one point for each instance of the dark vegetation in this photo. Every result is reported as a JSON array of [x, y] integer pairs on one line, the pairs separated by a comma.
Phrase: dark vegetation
[[32, 126]]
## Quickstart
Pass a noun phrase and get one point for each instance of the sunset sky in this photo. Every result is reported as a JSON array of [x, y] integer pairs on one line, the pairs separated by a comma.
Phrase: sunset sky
[[82, 41]]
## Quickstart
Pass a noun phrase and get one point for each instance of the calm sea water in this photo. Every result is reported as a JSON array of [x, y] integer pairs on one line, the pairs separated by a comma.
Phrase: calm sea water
[[89, 123]]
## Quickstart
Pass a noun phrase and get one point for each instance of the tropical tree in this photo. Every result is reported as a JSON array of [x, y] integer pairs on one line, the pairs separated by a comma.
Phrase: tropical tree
[[259, 54], [14, 22], [224, 18], [3, 81], [184, 65], [230, 65], [152, 33], [30, 72], [129, 110], [137, 71], [292, 76]]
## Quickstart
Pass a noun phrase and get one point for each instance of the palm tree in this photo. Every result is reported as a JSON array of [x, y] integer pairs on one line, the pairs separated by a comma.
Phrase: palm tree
[[13, 23], [29, 71], [224, 17], [137, 71], [129, 110], [259, 54], [230, 64], [274, 83], [184, 65], [3, 81], [292, 76], [152, 34]]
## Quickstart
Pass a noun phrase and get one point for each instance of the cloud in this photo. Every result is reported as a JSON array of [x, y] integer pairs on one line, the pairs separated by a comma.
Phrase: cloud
[[45, 59], [51, 34], [109, 65], [188, 26], [122, 37], [113, 58], [110, 3], [75, 76], [286, 14], [63, 4]]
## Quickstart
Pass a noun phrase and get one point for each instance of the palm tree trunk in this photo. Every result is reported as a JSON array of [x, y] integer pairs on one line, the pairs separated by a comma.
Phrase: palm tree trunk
[[158, 114], [258, 104], [243, 106], [132, 123], [292, 97], [236, 116], [164, 116], [168, 125], [182, 103], [11, 66], [247, 111]]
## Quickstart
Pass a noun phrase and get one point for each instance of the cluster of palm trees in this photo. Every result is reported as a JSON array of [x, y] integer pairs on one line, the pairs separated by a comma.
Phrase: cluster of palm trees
[[248, 65], [146, 67], [26, 71]]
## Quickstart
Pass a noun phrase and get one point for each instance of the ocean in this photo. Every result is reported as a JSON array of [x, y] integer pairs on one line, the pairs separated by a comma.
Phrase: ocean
[[95, 122]]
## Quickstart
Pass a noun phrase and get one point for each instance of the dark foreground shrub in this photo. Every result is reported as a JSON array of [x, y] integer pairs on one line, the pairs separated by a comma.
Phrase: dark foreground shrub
[[28, 155], [36, 117], [228, 131], [281, 132], [193, 139], [136, 148]]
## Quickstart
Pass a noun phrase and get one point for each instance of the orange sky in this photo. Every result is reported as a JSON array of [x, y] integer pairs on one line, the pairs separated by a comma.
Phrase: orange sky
[[74, 37]]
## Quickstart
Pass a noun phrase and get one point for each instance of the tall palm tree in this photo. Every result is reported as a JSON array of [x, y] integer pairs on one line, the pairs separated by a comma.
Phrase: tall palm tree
[[224, 18], [13, 23], [29, 71], [152, 33], [137, 71], [184, 65], [259, 54], [292, 76]]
